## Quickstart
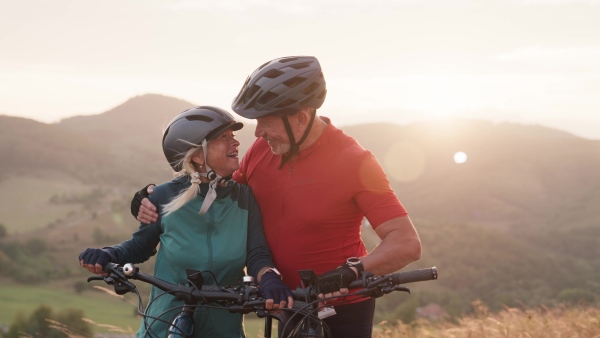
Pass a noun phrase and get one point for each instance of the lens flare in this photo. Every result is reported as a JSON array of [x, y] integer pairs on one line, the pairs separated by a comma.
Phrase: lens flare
[[460, 157], [404, 162]]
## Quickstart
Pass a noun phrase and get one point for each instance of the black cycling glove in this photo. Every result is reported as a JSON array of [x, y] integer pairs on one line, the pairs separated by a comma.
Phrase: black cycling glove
[[335, 280], [98, 256], [136, 202], [272, 287]]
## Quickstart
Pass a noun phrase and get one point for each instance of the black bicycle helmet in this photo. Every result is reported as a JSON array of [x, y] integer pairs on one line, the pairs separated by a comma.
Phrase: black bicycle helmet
[[281, 87], [191, 127]]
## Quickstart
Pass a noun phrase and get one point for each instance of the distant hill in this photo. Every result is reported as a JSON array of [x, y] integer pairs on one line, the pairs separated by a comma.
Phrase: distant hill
[[133, 132], [28, 147], [517, 220], [515, 175]]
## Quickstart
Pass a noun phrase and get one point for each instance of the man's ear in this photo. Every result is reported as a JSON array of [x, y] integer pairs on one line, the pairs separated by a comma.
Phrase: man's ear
[[304, 115]]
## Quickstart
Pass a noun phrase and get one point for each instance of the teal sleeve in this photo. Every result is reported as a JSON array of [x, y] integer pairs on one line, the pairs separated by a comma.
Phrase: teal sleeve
[[144, 241], [258, 253]]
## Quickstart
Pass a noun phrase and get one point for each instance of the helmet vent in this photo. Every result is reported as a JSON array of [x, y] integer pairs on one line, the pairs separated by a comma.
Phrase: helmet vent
[[273, 73], [286, 103], [199, 118], [293, 82], [267, 97], [301, 65], [250, 92], [308, 99], [313, 86]]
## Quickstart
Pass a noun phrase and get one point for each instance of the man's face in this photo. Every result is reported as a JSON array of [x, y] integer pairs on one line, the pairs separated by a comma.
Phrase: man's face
[[272, 129]]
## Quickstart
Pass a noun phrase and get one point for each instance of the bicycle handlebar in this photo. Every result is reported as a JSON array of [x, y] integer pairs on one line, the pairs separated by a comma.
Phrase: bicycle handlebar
[[246, 298]]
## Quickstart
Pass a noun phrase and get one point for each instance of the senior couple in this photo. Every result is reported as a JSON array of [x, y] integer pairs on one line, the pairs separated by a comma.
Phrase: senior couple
[[303, 181]]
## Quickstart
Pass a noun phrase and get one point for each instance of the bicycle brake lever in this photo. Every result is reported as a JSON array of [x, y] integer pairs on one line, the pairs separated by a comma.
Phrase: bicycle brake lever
[[402, 288], [396, 288]]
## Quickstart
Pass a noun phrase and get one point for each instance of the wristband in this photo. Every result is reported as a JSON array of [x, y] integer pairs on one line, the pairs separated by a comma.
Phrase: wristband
[[272, 270], [356, 263]]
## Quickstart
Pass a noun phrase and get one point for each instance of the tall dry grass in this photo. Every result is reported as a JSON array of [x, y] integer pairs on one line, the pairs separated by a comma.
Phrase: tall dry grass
[[542, 322]]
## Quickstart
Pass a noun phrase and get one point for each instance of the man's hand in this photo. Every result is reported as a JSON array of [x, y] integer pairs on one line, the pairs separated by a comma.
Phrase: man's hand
[[147, 212], [141, 207], [335, 282]]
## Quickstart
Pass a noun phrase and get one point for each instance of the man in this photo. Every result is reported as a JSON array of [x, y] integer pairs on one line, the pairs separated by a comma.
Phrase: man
[[314, 185]]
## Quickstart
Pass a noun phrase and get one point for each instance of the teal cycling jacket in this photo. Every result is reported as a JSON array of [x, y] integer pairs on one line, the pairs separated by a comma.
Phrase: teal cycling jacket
[[220, 243]]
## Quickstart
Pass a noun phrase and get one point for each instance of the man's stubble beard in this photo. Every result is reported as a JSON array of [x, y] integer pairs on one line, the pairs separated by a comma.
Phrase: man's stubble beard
[[281, 148]]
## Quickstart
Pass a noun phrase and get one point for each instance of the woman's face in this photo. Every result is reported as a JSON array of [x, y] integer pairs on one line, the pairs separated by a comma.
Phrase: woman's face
[[223, 153]]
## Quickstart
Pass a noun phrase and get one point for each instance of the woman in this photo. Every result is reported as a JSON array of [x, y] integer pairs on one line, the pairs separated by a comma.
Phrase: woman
[[207, 222]]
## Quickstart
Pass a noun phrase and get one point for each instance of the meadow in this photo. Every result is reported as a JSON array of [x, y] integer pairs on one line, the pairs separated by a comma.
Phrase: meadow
[[108, 313], [112, 317], [541, 322]]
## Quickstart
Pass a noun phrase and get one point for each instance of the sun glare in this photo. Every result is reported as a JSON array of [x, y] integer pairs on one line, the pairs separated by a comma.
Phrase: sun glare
[[404, 162], [460, 157], [444, 95]]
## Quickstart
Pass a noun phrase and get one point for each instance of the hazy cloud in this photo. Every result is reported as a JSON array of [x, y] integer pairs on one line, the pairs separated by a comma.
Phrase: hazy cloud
[[554, 2], [566, 57], [313, 7]]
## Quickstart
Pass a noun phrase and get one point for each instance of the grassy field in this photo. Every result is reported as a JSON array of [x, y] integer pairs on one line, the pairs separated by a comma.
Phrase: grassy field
[[542, 322], [107, 312], [25, 201], [98, 307]]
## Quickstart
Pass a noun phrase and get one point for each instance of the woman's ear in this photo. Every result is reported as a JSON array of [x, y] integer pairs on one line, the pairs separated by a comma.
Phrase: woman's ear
[[198, 158]]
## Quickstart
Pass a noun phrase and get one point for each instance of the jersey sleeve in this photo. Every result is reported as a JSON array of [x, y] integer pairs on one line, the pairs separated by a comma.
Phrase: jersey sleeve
[[258, 253], [142, 244], [373, 193]]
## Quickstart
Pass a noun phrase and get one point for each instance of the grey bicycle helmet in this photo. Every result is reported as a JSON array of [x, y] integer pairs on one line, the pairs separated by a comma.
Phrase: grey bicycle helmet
[[191, 127], [281, 87]]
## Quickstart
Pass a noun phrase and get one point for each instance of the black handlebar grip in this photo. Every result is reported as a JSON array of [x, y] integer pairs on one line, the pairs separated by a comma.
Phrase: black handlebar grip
[[414, 276]]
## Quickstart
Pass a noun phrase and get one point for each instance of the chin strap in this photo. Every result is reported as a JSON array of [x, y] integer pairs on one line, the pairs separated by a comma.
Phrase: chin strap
[[211, 195], [294, 147]]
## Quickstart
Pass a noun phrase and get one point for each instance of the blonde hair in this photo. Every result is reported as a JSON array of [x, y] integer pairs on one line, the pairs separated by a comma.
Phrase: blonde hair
[[189, 193]]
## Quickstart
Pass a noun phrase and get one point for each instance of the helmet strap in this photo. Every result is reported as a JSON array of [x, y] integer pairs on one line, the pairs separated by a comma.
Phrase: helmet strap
[[294, 146], [214, 178]]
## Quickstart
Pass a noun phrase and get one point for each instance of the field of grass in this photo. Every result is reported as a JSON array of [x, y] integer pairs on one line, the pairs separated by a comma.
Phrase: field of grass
[[98, 307], [106, 312], [543, 322], [25, 201]]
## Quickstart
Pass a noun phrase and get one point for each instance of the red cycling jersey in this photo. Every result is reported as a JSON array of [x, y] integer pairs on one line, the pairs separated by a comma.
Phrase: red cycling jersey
[[313, 206]]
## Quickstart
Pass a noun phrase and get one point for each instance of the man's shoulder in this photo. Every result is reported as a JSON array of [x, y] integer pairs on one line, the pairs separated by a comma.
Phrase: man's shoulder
[[345, 144]]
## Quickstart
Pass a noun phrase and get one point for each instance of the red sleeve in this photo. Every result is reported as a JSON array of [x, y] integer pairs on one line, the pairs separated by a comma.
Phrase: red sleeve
[[374, 195]]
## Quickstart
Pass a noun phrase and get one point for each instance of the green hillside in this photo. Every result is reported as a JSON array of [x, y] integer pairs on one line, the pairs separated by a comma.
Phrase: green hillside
[[515, 224]]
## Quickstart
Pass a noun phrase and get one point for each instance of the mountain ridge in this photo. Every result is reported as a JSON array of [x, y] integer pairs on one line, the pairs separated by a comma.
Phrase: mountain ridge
[[517, 221], [538, 164]]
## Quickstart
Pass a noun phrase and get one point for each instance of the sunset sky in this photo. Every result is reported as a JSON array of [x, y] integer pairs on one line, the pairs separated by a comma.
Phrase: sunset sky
[[524, 61]]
